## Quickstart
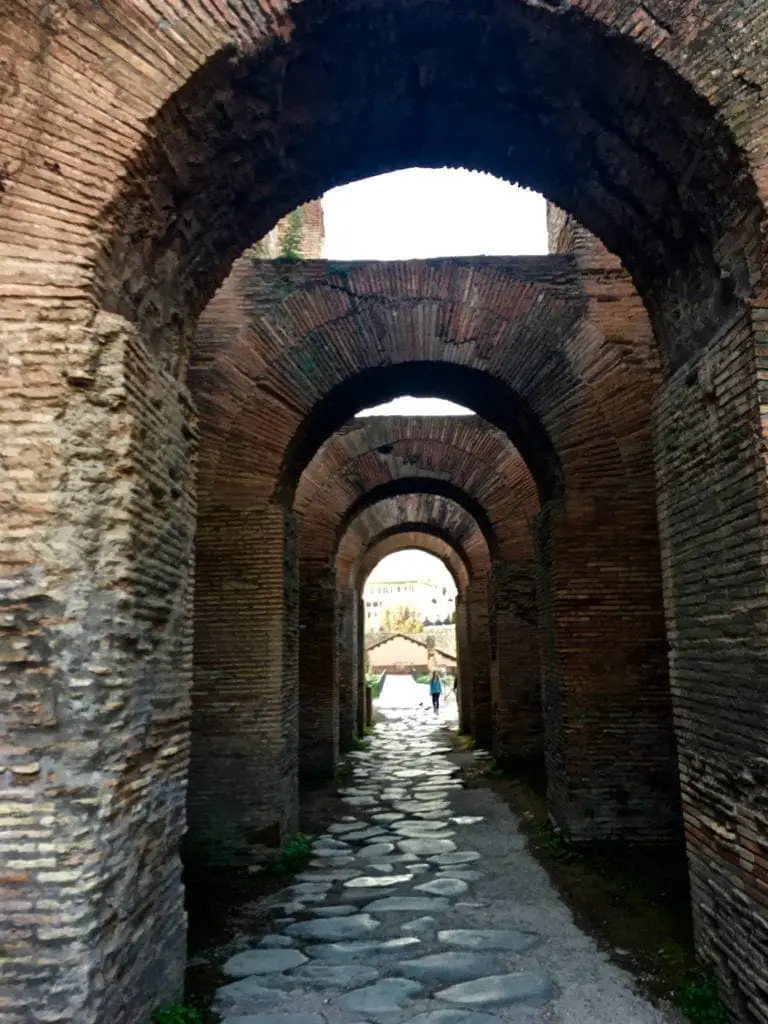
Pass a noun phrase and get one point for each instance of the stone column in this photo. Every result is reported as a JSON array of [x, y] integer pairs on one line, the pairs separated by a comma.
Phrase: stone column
[[318, 693], [516, 669], [347, 666], [479, 643], [243, 775]]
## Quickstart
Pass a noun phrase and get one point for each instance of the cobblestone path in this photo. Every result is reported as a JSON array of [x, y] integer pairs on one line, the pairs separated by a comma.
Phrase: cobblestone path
[[423, 906]]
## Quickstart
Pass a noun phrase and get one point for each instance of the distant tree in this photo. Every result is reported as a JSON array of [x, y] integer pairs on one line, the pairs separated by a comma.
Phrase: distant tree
[[291, 244], [401, 619]]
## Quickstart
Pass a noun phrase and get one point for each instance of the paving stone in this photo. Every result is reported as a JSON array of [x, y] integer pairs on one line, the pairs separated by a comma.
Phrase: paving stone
[[334, 975], [444, 886], [356, 926], [467, 819], [330, 848], [526, 987], [419, 925], [376, 851], [277, 1018], [449, 967], [294, 907], [455, 857], [362, 835], [417, 829], [385, 996], [387, 816], [427, 846], [508, 939], [376, 881], [262, 961], [454, 1017], [344, 952], [276, 942], [249, 993], [406, 903], [339, 910], [344, 826]]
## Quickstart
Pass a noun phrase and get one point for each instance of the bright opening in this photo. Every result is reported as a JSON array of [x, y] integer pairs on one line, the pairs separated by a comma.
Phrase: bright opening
[[422, 213], [407, 405]]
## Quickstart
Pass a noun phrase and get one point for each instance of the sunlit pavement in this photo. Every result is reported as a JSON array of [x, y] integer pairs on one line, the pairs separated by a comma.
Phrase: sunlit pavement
[[404, 693]]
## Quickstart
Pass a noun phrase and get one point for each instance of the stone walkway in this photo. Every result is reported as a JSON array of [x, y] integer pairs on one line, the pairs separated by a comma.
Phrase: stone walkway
[[423, 906]]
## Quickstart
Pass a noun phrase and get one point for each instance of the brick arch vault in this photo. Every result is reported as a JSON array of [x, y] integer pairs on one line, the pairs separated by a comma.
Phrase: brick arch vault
[[142, 147], [406, 537], [386, 525]]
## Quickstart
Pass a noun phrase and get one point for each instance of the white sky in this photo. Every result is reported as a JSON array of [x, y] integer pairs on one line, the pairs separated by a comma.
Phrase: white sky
[[422, 213], [413, 565]]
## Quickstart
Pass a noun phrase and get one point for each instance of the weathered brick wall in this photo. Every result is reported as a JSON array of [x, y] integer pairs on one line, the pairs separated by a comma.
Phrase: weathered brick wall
[[710, 460], [611, 751], [243, 788], [465, 689], [347, 683], [516, 667], [478, 636], [96, 674], [304, 227], [318, 673]]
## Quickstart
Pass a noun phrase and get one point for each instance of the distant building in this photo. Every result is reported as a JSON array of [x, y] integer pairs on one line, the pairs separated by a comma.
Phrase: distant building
[[429, 600]]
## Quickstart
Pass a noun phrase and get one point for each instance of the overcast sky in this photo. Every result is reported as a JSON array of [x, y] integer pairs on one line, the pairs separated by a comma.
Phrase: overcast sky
[[413, 565], [420, 213]]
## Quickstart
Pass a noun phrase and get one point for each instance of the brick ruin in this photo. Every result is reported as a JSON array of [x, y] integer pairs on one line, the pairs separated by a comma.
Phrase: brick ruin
[[190, 509]]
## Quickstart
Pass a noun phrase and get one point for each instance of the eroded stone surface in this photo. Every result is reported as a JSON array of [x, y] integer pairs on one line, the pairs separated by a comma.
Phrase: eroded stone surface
[[449, 967], [385, 996], [262, 961], [502, 990], [508, 939], [356, 926]]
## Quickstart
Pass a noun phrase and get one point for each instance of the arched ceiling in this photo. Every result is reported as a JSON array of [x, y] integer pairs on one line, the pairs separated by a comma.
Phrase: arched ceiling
[[437, 512], [606, 109], [373, 453], [285, 356], [419, 536]]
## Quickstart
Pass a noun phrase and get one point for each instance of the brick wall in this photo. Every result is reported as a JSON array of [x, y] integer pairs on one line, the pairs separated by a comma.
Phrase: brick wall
[[347, 664], [99, 462], [516, 667], [466, 714], [478, 642], [712, 498], [243, 771], [318, 683]]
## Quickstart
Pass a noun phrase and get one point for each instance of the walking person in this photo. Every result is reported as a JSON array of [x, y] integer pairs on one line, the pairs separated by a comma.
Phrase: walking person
[[435, 689]]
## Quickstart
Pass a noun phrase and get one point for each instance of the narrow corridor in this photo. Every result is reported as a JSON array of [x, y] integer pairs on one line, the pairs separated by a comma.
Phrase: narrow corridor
[[423, 906]]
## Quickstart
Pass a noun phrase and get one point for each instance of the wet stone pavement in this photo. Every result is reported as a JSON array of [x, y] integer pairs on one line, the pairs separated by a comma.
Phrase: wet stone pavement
[[423, 906]]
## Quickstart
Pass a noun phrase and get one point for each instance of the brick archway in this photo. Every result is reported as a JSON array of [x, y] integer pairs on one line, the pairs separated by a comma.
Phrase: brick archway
[[452, 518], [139, 156]]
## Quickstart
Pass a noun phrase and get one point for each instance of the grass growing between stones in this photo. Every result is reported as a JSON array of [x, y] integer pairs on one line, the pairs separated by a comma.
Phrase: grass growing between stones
[[293, 855], [177, 1013], [634, 901]]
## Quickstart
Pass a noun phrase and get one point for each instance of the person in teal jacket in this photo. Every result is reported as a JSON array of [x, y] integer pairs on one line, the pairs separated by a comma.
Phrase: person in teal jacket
[[435, 689]]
